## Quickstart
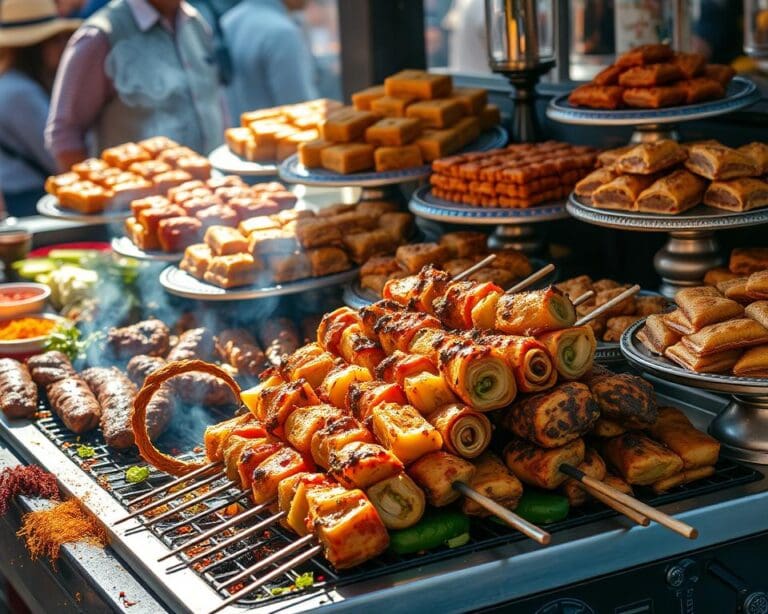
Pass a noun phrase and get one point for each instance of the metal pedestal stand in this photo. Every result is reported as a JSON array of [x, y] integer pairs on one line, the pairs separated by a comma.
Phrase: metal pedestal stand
[[523, 126]]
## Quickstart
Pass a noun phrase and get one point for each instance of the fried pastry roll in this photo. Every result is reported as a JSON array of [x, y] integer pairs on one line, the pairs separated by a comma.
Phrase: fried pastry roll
[[527, 357], [649, 158], [741, 194], [748, 260], [572, 349], [675, 193], [620, 193], [730, 335], [465, 432], [718, 162], [552, 419], [541, 466], [735, 289], [757, 285], [534, 312], [674, 430], [704, 309], [719, 362], [676, 321], [398, 500], [597, 96], [436, 472], [656, 335], [758, 153], [495, 481], [587, 186], [640, 460], [654, 97], [753, 363]]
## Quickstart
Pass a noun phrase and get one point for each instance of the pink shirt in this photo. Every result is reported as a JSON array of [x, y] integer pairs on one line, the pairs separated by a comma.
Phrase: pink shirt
[[82, 87]]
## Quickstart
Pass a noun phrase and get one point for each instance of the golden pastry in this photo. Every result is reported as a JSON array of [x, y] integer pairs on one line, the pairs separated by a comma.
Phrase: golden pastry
[[742, 194], [621, 193], [730, 335], [719, 162], [675, 193], [648, 158]]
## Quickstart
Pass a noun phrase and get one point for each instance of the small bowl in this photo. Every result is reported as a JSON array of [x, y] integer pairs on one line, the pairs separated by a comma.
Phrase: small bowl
[[27, 306], [22, 349]]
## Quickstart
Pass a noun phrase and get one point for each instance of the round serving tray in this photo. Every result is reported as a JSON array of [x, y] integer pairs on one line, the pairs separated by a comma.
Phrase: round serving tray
[[700, 217], [223, 160], [426, 205], [49, 206], [125, 247], [741, 93], [355, 296], [294, 172], [180, 283]]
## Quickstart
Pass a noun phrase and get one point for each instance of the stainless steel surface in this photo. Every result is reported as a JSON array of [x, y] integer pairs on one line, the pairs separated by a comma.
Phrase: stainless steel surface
[[180, 283], [562, 26], [575, 554], [692, 248], [125, 247], [514, 40], [742, 425]]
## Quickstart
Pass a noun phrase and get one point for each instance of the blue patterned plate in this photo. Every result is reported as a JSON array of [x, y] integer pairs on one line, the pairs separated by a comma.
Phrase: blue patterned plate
[[741, 93], [294, 172], [427, 205], [222, 159]]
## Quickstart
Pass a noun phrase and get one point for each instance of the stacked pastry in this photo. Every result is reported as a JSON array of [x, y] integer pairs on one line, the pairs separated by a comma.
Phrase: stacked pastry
[[413, 118], [742, 262], [669, 178], [518, 176], [721, 329], [611, 325], [293, 245], [127, 172], [268, 135], [609, 426], [654, 76], [454, 252], [180, 217]]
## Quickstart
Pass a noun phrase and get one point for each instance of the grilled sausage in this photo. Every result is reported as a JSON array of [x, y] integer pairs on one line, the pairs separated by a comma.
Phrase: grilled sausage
[[50, 367], [238, 348], [74, 403], [149, 337], [115, 393], [18, 393], [278, 337], [193, 343]]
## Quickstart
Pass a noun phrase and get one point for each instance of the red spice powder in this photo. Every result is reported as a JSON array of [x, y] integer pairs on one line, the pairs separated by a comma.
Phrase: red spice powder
[[31, 480]]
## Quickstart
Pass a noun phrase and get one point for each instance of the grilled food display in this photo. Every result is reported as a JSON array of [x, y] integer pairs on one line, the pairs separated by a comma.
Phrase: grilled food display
[[722, 329], [125, 173], [654, 76], [665, 177], [18, 393], [518, 176]]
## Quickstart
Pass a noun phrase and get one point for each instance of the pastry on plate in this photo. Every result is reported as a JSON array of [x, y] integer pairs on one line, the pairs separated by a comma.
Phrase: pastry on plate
[[742, 194], [691, 64], [758, 153], [597, 96], [718, 162], [753, 363], [757, 285], [748, 260], [758, 311], [620, 193], [724, 336], [656, 335], [722, 73], [719, 362], [591, 182], [648, 158], [702, 309], [677, 192], [701, 90], [654, 97], [718, 274], [735, 289], [645, 54], [650, 75]]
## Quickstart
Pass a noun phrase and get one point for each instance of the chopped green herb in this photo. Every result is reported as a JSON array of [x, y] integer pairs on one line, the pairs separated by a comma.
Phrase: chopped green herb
[[66, 339], [279, 590], [136, 474], [84, 451], [457, 541], [305, 580]]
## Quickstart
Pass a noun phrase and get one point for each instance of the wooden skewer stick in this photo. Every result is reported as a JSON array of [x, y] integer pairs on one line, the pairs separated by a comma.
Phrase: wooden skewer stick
[[651, 512], [606, 306], [475, 267], [531, 279], [584, 298], [521, 524], [172, 483], [633, 515]]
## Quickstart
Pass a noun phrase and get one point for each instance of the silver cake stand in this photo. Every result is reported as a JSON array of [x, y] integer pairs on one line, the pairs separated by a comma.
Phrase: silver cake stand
[[377, 186], [515, 228], [742, 427], [692, 248], [654, 124]]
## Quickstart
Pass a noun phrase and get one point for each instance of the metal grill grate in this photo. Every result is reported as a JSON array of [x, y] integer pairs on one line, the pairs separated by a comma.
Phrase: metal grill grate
[[108, 468]]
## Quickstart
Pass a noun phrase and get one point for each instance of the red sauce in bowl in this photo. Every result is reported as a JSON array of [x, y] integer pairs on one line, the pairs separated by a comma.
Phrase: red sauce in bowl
[[14, 295]]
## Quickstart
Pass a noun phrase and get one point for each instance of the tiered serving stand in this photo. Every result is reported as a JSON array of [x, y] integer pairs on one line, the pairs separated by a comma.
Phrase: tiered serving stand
[[742, 427], [692, 248]]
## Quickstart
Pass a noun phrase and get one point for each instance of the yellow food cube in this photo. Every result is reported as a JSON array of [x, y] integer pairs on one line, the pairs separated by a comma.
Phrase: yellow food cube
[[436, 144], [346, 125], [310, 152], [472, 99], [391, 106], [289, 145], [394, 131], [436, 113], [363, 99], [348, 158], [468, 129], [396, 158], [427, 392], [489, 117], [418, 83], [404, 431], [237, 138]]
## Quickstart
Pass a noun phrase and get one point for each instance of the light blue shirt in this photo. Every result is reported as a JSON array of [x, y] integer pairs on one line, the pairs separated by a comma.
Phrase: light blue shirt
[[271, 62], [23, 111]]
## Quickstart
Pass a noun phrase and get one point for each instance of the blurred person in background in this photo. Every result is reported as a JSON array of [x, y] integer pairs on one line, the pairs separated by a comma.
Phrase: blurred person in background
[[271, 61], [435, 34], [32, 39], [136, 69]]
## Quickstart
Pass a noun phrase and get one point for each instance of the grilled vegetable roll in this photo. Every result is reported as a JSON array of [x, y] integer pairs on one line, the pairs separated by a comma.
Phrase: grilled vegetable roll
[[334, 436], [428, 392], [336, 385], [239, 349], [528, 358], [215, 436], [361, 464], [394, 328], [551, 419], [625, 398], [494, 480], [309, 362], [253, 398], [398, 500], [572, 349], [404, 431], [418, 291], [675, 431], [232, 448], [304, 422], [454, 307], [358, 349], [347, 526], [684, 477], [465, 432], [252, 455], [593, 466], [436, 473], [539, 466], [484, 311], [292, 498], [279, 401], [398, 366], [535, 312], [282, 464], [640, 460], [332, 326], [363, 397]]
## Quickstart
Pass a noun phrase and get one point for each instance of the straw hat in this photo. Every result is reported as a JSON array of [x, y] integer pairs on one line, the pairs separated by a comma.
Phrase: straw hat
[[28, 22]]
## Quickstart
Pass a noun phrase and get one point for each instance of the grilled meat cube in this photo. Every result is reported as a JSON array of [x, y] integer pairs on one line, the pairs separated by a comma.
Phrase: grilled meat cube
[[302, 424], [252, 454], [280, 401], [336, 385], [335, 435], [266, 478], [404, 431], [361, 464], [357, 348], [436, 472], [495, 481], [309, 362], [640, 460], [626, 398], [150, 337], [215, 436], [292, 498], [541, 467], [363, 397], [18, 393]]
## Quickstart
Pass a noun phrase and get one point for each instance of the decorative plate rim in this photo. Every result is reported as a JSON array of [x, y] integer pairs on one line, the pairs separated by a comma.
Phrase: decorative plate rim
[[49, 206], [225, 160]]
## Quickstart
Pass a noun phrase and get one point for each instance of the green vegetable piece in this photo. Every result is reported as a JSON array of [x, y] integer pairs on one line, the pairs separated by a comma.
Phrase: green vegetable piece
[[458, 541], [84, 451], [74, 256], [134, 475], [305, 580], [32, 267], [542, 507], [436, 528], [279, 590]]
